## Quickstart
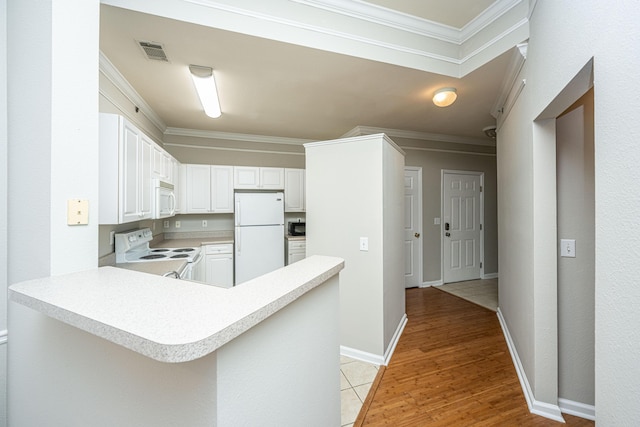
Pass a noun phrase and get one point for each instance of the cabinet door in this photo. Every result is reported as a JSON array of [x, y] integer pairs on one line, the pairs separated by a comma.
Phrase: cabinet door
[[145, 189], [294, 190], [222, 189], [295, 257], [219, 270], [246, 177], [129, 180], [179, 175], [272, 178], [198, 187]]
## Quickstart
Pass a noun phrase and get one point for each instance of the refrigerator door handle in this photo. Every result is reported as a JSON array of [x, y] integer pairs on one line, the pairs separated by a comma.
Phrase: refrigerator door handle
[[238, 240], [237, 216]]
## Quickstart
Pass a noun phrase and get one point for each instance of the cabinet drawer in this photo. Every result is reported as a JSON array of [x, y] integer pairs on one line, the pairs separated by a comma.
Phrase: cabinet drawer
[[219, 249], [300, 245]]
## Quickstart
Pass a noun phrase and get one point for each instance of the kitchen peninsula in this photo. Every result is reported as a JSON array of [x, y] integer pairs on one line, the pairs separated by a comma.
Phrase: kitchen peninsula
[[111, 347]]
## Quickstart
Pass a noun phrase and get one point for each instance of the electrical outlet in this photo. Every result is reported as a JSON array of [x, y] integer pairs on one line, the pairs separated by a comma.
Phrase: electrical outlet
[[177, 224], [77, 212], [204, 223], [166, 224]]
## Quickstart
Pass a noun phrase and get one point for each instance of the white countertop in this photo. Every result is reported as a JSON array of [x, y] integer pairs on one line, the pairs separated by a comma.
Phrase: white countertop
[[166, 319]]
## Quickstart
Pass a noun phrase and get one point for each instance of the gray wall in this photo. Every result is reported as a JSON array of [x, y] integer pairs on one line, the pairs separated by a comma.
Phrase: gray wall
[[576, 276], [432, 163]]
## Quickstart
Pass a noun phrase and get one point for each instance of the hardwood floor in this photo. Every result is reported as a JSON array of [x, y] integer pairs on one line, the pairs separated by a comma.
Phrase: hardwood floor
[[451, 367]]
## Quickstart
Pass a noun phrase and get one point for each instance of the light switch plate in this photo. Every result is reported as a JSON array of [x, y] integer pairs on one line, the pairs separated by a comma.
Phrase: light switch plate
[[568, 248], [364, 244], [77, 212]]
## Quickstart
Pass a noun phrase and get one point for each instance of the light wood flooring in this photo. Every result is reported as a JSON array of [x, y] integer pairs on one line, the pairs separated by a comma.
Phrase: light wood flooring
[[451, 367]]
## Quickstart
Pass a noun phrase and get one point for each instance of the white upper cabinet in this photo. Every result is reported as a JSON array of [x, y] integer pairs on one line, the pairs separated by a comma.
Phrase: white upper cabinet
[[256, 178], [162, 164], [125, 171], [294, 190], [209, 189]]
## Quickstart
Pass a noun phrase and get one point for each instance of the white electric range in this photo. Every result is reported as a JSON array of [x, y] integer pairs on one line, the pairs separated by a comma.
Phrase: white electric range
[[133, 246]]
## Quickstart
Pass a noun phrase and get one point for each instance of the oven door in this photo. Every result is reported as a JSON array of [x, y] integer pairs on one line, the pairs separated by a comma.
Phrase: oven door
[[165, 201]]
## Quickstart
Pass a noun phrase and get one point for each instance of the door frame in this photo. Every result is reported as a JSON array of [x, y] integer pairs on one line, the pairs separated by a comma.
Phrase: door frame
[[420, 224], [443, 172]]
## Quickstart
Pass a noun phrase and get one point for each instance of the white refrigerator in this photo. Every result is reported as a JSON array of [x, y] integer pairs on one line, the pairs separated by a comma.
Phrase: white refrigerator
[[259, 234]]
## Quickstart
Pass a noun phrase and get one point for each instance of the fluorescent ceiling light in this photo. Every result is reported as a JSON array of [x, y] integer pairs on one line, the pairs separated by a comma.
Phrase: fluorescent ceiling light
[[445, 96], [206, 87]]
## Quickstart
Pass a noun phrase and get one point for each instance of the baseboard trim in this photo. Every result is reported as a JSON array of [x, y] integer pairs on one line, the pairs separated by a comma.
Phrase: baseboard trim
[[543, 409], [489, 276], [578, 409], [376, 359], [394, 340], [432, 283]]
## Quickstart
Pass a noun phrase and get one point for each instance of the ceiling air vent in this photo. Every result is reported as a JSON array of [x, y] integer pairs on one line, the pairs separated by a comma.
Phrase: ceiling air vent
[[154, 51]]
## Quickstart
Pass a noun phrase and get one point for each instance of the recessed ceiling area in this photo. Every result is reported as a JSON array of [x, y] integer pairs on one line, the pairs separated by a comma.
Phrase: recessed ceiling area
[[455, 14], [277, 89]]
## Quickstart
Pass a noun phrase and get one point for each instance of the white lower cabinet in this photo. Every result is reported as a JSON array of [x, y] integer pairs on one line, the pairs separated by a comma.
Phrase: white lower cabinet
[[219, 265], [296, 250]]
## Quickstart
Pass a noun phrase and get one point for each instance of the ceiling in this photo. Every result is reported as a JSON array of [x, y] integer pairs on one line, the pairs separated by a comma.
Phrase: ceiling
[[277, 89]]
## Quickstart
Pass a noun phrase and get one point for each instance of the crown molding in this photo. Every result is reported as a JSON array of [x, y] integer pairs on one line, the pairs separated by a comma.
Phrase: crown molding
[[516, 63], [423, 136], [112, 73], [448, 61], [195, 133], [244, 150]]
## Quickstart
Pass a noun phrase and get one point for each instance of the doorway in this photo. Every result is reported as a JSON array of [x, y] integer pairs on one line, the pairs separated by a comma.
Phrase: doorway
[[462, 217]]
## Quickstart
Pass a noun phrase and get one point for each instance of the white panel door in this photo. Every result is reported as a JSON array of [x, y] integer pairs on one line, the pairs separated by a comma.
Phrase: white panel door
[[412, 228], [461, 226]]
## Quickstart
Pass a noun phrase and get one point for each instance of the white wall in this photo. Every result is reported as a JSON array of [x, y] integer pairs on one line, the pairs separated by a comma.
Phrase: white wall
[[3, 210], [347, 199], [51, 133], [564, 37]]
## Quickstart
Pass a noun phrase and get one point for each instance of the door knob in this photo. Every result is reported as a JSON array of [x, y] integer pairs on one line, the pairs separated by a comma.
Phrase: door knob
[[447, 234], [417, 234]]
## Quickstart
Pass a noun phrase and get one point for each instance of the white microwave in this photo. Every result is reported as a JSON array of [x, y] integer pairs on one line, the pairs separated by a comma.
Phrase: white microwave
[[164, 199]]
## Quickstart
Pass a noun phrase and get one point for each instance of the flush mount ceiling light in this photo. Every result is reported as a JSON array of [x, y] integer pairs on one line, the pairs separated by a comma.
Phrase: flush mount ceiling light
[[206, 87], [445, 96]]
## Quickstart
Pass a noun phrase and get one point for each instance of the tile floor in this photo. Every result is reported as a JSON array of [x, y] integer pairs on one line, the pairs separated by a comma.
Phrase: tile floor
[[356, 378], [481, 292]]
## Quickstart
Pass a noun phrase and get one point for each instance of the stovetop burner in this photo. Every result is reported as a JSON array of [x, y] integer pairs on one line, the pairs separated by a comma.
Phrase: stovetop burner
[[154, 256], [160, 250], [180, 255], [184, 250]]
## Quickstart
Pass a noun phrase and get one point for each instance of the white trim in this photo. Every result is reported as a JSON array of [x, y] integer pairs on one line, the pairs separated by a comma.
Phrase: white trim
[[432, 283], [394, 340], [4, 336], [516, 63], [543, 409], [489, 276], [246, 150], [115, 77], [210, 134], [375, 358], [578, 409], [424, 136], [438, 150], [354, 139]]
